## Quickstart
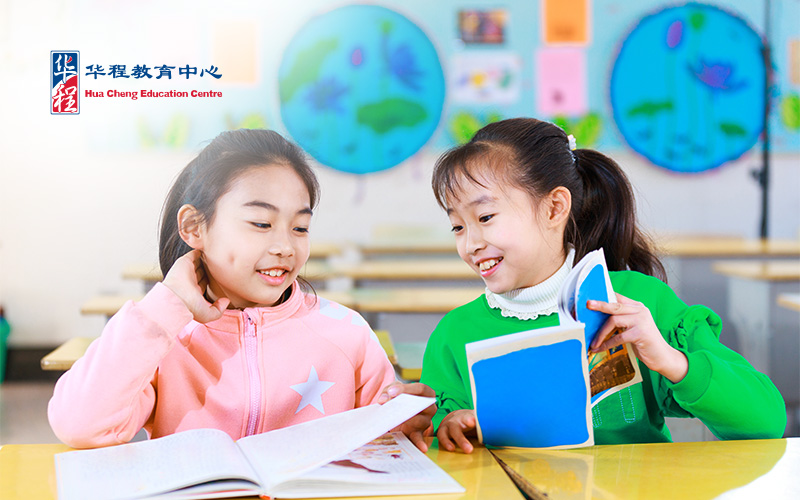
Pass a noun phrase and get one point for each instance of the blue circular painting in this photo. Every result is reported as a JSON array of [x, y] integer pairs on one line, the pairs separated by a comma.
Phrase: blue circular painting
[[687, 88], [361, 88]]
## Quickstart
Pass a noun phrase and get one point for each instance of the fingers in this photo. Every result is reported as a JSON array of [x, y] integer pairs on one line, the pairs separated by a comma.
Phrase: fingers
[[452, 431], [390, 392], [419, 441], [419, 389], [396, 388], [614, 341], [452, 436]]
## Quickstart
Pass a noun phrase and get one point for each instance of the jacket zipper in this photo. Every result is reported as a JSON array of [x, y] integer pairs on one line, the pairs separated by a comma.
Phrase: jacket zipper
[[251, 356]]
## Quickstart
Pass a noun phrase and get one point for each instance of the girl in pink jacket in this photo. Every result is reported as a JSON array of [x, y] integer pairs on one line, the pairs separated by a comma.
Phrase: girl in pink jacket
[[229, 339]]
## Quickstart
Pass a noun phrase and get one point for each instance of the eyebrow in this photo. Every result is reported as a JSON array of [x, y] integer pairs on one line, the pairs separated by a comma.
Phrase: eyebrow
[[480, 200], [273, 208]]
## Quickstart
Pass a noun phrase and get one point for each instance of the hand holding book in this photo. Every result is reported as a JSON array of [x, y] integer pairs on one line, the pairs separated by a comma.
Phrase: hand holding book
[[631, 322], [563, 377], [420, 425]]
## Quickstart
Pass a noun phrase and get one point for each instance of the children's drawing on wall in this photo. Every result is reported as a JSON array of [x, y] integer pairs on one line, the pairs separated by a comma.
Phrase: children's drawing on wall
[[687, 88], [790, 112], [586, 129], [482, 26], [488, 77], [565, 22], [361, 88], [250, 120], [561, 83], [463, 124], [171, 135]]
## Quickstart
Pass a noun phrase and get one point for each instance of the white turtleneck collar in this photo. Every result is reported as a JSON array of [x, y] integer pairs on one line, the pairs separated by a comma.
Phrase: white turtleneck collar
[[535, 301]]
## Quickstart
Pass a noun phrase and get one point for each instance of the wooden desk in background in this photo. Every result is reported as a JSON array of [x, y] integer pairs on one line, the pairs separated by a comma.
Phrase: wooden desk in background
[[432, 299], [150, 274], [688, 261], [769, 335], [413, 247], [64, 356], [441, 271], [790, 300], [736, 469], [28, 473]]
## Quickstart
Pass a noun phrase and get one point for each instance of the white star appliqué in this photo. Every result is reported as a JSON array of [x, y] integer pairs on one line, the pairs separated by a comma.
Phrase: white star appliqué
[[312, 391]]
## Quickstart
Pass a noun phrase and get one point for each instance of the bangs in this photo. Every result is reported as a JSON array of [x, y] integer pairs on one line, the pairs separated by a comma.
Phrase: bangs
[[474, 162]]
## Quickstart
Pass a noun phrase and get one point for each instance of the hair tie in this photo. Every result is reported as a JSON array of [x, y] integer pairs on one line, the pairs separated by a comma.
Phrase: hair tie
[[572, 146]]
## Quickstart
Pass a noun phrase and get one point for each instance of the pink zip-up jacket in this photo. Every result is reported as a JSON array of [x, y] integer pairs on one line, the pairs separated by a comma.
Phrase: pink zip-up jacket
[[251, 371]]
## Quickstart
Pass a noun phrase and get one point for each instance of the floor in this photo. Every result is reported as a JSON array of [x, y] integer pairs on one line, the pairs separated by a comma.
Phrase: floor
[[23, 413]]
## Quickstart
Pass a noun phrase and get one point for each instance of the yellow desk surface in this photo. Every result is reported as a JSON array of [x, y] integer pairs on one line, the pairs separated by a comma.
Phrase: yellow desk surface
[[409, 269], [724, 246], [28, 473], [790, 300], [65, 355], [765, 270], [761, 468]]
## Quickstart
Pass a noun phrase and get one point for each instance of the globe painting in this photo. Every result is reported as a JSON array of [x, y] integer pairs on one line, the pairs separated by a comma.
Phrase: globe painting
[[687, 89], [361, 88]]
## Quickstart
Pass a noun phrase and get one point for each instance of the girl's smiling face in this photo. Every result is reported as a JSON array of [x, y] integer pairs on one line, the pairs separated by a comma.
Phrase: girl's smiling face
[[257, 242], [508, 239]]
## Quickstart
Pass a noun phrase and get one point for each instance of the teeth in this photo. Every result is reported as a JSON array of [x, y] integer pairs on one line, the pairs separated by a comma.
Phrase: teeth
[[273, 272], [488, 264]]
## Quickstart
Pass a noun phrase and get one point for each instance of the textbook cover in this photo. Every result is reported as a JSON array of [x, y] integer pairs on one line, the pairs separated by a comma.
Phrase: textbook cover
[[546, 378]]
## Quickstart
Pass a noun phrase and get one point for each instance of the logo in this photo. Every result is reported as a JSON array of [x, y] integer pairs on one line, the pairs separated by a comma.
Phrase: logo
[[64, 92]]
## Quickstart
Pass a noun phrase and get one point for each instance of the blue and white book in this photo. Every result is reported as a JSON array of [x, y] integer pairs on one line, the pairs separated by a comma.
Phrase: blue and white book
[[536, 389]]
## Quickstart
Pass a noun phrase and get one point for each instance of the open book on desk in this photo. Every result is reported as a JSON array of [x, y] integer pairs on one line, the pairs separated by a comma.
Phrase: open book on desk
[[536, 389], [345, 454]]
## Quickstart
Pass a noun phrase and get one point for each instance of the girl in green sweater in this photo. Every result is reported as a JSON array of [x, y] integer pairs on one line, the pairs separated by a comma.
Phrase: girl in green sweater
[[525, 205]]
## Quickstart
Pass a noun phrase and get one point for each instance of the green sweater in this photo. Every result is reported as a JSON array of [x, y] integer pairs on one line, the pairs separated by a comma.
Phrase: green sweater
[[721, 388]]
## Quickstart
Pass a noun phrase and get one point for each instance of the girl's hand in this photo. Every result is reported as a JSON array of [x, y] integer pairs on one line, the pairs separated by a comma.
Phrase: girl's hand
[[455, 428], [420, 425], [635, 325], [187, 278]]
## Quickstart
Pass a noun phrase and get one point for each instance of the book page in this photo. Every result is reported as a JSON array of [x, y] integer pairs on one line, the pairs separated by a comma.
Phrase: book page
[[613, 369], [150, 467], [286, 453], [390, 464]]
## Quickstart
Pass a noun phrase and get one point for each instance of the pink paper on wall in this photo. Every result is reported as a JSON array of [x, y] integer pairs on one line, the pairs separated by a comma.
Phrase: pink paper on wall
[[560, 75]]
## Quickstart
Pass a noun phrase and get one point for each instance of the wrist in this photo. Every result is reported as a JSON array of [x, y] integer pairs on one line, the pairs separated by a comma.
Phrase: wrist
[[676, 367]]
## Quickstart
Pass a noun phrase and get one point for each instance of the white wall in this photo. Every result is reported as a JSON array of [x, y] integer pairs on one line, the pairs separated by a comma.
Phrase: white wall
[[72, 217]]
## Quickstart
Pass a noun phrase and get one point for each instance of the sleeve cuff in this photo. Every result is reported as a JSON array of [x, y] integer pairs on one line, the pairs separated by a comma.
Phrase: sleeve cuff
[[696, 381], [165, 308]]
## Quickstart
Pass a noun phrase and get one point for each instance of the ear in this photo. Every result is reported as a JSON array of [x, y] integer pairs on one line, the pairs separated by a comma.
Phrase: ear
[[190, 227], [558, 204]]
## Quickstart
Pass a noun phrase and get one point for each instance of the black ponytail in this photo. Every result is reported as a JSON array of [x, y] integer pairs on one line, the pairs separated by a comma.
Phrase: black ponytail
[[535, 156], [605, 217]]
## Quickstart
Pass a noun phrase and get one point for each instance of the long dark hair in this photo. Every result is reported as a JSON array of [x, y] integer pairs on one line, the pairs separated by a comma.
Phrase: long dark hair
[[209, 176], [535, 156]]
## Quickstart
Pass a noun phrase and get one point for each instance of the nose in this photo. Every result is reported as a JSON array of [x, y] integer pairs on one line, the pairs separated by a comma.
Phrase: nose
[[474, 240], [281, 246]]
